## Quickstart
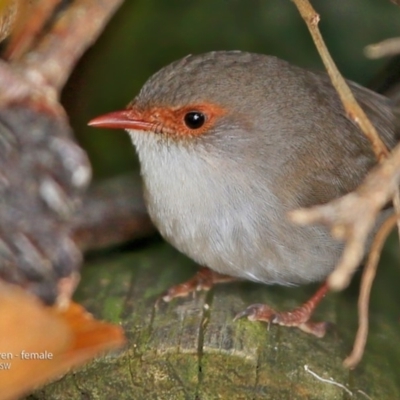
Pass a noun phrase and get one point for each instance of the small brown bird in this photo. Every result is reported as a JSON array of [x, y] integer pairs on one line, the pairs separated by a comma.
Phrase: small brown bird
[[229, 142]]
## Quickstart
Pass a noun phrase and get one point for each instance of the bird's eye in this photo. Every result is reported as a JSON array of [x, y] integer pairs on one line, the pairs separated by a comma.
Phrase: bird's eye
[[194, 119]]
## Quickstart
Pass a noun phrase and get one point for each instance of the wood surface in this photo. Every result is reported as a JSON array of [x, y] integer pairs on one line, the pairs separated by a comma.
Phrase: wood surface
[[191, 349]]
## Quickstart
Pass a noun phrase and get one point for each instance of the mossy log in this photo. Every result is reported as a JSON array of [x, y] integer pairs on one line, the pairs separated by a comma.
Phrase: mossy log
[[192, 349]]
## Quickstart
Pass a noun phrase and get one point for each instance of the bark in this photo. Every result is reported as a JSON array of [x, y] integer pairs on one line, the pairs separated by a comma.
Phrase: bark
[[191, 348]]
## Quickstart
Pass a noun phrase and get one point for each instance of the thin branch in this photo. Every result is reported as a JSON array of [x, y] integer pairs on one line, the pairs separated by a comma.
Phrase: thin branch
[[76, 29], [27, 29], [366, 283], [386, 48], [40, 74], [345, 225], [354, 215], [9, 10], [353, 109]]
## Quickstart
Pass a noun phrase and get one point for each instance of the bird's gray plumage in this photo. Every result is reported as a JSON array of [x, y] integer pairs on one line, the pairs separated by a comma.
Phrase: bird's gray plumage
[[285, 142]]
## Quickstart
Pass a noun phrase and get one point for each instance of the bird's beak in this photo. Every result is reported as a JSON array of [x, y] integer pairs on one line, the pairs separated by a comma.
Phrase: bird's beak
[[125, 119]]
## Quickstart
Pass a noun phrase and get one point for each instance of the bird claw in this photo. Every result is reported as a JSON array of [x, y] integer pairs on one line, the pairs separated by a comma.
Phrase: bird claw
[[298, 318], [203, 280], [257, 312]]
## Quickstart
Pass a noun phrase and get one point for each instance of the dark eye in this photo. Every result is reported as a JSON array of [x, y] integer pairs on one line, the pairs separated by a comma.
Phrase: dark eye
[[194, 119]]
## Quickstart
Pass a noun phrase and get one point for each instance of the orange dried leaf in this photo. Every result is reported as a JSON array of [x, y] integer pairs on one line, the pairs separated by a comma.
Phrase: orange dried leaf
[[38, 343]]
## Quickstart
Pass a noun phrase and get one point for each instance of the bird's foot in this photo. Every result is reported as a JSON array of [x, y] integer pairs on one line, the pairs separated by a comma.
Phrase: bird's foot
[[204, 279], [299, 318]]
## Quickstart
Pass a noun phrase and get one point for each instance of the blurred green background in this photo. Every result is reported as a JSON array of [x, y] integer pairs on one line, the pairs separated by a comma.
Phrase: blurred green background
[[145, 35]]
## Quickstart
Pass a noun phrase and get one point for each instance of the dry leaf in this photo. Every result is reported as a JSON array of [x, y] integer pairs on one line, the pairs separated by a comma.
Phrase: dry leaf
[[38, 343]]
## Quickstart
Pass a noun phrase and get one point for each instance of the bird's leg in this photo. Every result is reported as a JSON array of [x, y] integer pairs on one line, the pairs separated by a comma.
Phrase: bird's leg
[[204, 279], [299, 317]]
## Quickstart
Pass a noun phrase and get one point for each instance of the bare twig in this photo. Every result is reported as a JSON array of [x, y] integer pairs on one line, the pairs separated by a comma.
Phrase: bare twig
[[356, 242], [8, 15], [27, 29], [386, 48], [353, 109], [366, 283], [355, 231], [353, 217], [76, 29], [41, 73]]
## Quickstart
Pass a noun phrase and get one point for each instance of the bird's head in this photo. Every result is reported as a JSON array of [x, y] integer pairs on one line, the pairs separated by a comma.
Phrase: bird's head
[[214, 98]]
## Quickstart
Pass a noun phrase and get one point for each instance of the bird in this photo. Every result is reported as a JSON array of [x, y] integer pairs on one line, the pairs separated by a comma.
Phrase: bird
[[229, 142]]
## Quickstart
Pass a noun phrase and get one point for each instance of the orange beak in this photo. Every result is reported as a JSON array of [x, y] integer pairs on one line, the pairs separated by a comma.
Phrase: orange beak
[[125, 119]]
